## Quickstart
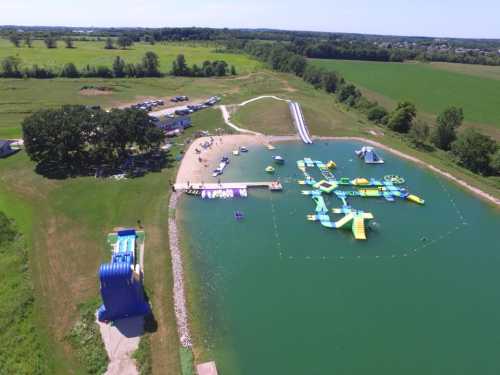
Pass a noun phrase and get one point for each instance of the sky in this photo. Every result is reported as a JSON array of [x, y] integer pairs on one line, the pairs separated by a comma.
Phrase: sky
[[438, 18]]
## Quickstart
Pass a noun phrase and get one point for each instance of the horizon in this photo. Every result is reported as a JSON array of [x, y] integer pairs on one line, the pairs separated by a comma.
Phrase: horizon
[[458, 19], [252, 29]]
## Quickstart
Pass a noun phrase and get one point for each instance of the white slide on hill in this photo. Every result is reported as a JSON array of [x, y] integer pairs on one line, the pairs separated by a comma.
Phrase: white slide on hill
[[299, 121]]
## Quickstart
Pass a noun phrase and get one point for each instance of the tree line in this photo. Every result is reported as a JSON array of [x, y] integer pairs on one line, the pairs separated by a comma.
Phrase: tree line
[[218, 68], [74, 139], [11, 67], [360, 50], [470, 149]]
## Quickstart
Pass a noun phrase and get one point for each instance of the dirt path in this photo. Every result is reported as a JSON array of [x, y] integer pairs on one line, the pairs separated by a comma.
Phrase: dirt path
[[121, 340]]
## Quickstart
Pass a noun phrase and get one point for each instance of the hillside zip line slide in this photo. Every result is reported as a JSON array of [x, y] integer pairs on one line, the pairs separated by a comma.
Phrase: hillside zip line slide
[[295, 110]]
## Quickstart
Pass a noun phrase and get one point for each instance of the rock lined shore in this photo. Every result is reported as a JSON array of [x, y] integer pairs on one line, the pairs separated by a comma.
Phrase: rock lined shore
[[178, 275]]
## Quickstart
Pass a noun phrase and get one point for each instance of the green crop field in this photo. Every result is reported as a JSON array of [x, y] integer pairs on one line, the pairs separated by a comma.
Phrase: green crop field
[[432, 88], [93, 53]]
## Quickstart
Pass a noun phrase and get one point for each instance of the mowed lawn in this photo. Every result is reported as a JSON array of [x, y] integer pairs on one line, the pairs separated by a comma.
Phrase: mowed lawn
[[432, 88], [93, 53], [267, 116]]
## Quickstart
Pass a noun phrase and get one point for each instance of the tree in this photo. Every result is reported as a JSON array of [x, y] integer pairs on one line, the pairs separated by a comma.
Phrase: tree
[[10, 67], [348, 93], [124, 41], [28, 40], [50, 42], [70, 71], [220, 68], [474, 150], [72, 139], [69, 42], [129, 70], [419, 133], [330, 81], [151, 64], [109, 44], [233, 70], [15, 39], [401, 119], [495, 163], [118, 67], [448, 121], [377, 114], [57, 138], [297, 65], [104, 72], [179, 66], [312, 75]]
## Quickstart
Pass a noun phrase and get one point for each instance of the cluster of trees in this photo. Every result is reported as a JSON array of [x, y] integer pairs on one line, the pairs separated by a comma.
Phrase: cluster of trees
[[11, 67], [218, 68], [75, 139], [344, 50], [123, 42], [50, 41]]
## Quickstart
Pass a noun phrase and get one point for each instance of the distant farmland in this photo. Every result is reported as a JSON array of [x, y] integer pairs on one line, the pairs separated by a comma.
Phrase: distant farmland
[[93, 53], [430, 87]]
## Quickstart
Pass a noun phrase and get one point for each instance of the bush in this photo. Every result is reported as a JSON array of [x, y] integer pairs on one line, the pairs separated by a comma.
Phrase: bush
[[448, 122], [377, 114], [70, 71], [104, 72], [474, 151], [495, 163], [39, 72], [10, 67], [401, 119], [85, 338]]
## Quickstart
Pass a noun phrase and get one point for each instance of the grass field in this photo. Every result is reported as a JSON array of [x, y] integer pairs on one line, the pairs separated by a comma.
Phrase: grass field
[[66, 221], [432, 87], [267, 116], [93, 53]]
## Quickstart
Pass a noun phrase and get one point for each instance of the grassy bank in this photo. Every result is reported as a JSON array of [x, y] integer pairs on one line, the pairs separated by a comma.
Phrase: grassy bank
[[22, 349], [267, 116]]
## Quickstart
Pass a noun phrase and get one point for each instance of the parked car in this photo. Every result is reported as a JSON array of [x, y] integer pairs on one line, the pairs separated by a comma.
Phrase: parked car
[[182, 112]]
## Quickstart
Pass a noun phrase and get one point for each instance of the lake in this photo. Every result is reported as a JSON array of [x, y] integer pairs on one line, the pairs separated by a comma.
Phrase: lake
[[282, 295]]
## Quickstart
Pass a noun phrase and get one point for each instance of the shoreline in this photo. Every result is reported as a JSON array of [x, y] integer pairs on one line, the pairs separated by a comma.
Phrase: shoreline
[[191, 170]]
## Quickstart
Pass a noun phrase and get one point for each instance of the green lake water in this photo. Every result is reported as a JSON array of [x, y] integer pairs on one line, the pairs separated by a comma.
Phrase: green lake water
[[281, 295]]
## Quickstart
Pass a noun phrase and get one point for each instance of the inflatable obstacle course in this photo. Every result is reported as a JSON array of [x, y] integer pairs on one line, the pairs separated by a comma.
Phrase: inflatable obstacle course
[[386, 188], [121, 279], [369, 155]]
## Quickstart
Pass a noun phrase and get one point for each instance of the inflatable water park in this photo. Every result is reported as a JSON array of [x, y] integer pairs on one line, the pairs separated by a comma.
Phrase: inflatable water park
[[121, 279], [344, 188], [369, 155]]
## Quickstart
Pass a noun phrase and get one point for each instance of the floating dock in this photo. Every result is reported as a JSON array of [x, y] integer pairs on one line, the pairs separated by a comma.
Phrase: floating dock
[[271, 185]]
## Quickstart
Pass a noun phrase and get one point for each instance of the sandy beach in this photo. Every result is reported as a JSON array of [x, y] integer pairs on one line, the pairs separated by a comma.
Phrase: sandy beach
[[195, 171]]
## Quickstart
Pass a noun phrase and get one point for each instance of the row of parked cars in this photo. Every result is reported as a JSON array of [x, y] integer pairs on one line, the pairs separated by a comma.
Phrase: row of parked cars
[[148, 105], [196, 107]]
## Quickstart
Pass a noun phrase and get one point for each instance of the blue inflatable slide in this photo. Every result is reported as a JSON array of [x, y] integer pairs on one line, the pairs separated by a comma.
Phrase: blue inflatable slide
[[121, 281]]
